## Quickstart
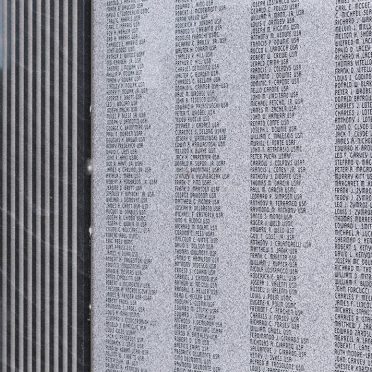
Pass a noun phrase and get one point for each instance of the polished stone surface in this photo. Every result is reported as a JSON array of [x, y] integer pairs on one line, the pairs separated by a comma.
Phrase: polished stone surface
[[231, 186]]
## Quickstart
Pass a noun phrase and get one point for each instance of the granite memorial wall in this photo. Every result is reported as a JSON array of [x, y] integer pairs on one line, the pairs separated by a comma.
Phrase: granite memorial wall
[[232, 185]]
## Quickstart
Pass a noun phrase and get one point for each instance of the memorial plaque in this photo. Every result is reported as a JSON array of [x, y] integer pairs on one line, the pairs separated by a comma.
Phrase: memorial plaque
[[232, 185]]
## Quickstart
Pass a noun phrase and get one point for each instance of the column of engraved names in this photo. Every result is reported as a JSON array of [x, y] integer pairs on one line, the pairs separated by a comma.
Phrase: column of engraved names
[[277, 167], [353, 186], [199, 168], [128, 189]]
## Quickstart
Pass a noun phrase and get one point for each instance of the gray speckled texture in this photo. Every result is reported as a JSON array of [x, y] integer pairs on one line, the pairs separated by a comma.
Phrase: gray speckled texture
[[98, 187], [315, 228]]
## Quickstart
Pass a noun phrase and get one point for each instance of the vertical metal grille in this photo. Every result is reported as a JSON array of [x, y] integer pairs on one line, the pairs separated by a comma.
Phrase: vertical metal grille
[[44, 188]]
